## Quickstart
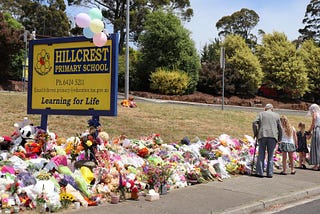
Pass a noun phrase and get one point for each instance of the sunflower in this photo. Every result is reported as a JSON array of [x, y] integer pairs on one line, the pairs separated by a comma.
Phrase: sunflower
[[66, 199]]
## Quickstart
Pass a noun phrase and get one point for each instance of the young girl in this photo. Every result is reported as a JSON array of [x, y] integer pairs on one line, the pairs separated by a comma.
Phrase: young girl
[[288, 144], [302, 145]]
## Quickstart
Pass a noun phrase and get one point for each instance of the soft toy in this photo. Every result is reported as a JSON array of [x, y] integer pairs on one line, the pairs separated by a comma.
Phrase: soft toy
[[18, 126], [25, 133]]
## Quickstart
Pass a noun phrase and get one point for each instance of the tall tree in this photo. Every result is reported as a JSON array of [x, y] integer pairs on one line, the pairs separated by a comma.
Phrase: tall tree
[[245, 72], [311, 21], [10, 45], [310, 54], [240, 23], [166, 43], [210, 73], [211, 52], [115, 12], [283, 68], [48, 20], [46, 17]]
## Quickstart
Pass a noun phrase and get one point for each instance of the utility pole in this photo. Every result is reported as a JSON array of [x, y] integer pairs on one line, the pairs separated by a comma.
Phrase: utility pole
[[126, 85], [222, 65], [24, 69]]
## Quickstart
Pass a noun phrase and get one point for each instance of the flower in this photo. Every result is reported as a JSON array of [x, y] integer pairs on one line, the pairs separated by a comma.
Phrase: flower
[[89, 143], [158, 175], [66, 199], [13, 187], [43, 175], [42, 198]]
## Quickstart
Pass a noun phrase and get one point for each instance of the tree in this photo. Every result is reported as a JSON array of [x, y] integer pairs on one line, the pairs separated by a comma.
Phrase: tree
[[310, 54], [48, 21], [245, 71], [46, 17], [240, 23], [283, 68], [210, 74], [10, 45], [115, 12], [210, 78], [166, 43], [134, 83], [211, 52], [311, 21]]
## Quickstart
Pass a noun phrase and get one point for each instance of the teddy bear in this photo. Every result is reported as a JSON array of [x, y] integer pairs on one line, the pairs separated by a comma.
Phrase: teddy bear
[[25, 133], [19, 125]]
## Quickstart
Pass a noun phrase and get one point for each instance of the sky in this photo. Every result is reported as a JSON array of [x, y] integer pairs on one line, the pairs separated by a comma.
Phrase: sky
[[275, 15]]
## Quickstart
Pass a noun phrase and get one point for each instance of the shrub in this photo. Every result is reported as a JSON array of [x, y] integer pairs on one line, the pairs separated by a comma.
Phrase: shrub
[[169, 82]]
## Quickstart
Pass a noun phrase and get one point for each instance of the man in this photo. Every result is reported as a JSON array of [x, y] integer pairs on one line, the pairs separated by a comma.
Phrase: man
[[267, 130]]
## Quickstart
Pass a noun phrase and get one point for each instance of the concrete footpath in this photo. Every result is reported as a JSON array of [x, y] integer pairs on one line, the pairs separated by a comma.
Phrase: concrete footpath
[[239, 194]]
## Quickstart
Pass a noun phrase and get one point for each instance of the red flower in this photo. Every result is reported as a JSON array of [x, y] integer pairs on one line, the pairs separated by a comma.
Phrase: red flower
[[208, 146], [143, 152]]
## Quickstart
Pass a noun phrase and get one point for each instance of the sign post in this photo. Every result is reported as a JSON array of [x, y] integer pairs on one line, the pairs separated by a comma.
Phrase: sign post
[[71, 76]]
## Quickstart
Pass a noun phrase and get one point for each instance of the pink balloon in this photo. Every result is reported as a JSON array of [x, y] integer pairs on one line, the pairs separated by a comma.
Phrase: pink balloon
[[100, 39], [83, 20]]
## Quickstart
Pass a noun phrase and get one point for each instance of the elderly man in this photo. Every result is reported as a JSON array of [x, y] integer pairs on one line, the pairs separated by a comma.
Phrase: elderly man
[[267, 130]]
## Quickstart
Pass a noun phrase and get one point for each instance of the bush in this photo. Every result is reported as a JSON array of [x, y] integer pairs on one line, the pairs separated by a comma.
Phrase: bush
[[133, 81], [169, 82]]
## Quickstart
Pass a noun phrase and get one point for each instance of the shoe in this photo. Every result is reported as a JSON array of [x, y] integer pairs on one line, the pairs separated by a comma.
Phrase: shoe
[[269, 176], [303, 166], [293, 172], [283, 173], [258, 176]]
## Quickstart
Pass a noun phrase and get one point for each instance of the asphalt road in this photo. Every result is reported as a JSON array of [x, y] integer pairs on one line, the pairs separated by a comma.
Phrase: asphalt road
[[306, 206]]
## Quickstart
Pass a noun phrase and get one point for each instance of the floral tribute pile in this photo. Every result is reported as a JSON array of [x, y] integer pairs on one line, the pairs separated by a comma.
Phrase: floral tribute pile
[[42, 171]]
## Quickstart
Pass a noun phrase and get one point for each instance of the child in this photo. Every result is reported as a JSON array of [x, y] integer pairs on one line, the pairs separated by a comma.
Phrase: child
[[288, 144], [302, 145]]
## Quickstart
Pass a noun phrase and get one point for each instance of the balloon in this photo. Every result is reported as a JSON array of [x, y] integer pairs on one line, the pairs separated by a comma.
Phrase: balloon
[[96, 25], [100, 39], [95, 13], [83, 20], [87, 33]]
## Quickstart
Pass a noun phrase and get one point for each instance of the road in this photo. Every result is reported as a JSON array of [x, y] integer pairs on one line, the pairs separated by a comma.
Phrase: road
[[307, 206]]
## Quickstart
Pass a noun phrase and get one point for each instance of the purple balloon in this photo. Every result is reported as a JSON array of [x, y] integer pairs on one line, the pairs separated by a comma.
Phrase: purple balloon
[[83, 20]]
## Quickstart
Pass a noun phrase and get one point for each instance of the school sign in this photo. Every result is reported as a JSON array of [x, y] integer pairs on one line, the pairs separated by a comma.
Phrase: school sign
[[73, 76]]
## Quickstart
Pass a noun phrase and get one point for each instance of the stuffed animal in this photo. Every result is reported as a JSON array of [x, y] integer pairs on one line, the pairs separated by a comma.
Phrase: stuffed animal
[[25, 133]]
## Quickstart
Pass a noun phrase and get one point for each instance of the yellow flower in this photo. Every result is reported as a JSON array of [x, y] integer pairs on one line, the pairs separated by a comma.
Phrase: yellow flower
[[68, 148], [66, 196], [224, 143], [218, 153], [89, 143]]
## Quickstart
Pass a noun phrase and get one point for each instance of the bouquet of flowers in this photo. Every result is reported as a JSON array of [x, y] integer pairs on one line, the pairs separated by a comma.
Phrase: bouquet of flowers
[[66, 199]]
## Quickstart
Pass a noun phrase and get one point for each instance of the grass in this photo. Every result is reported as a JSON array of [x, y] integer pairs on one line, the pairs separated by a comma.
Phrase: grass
[[171, 121]]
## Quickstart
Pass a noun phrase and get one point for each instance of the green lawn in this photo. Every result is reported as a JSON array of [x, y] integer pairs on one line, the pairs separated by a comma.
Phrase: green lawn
[[171, 121]]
